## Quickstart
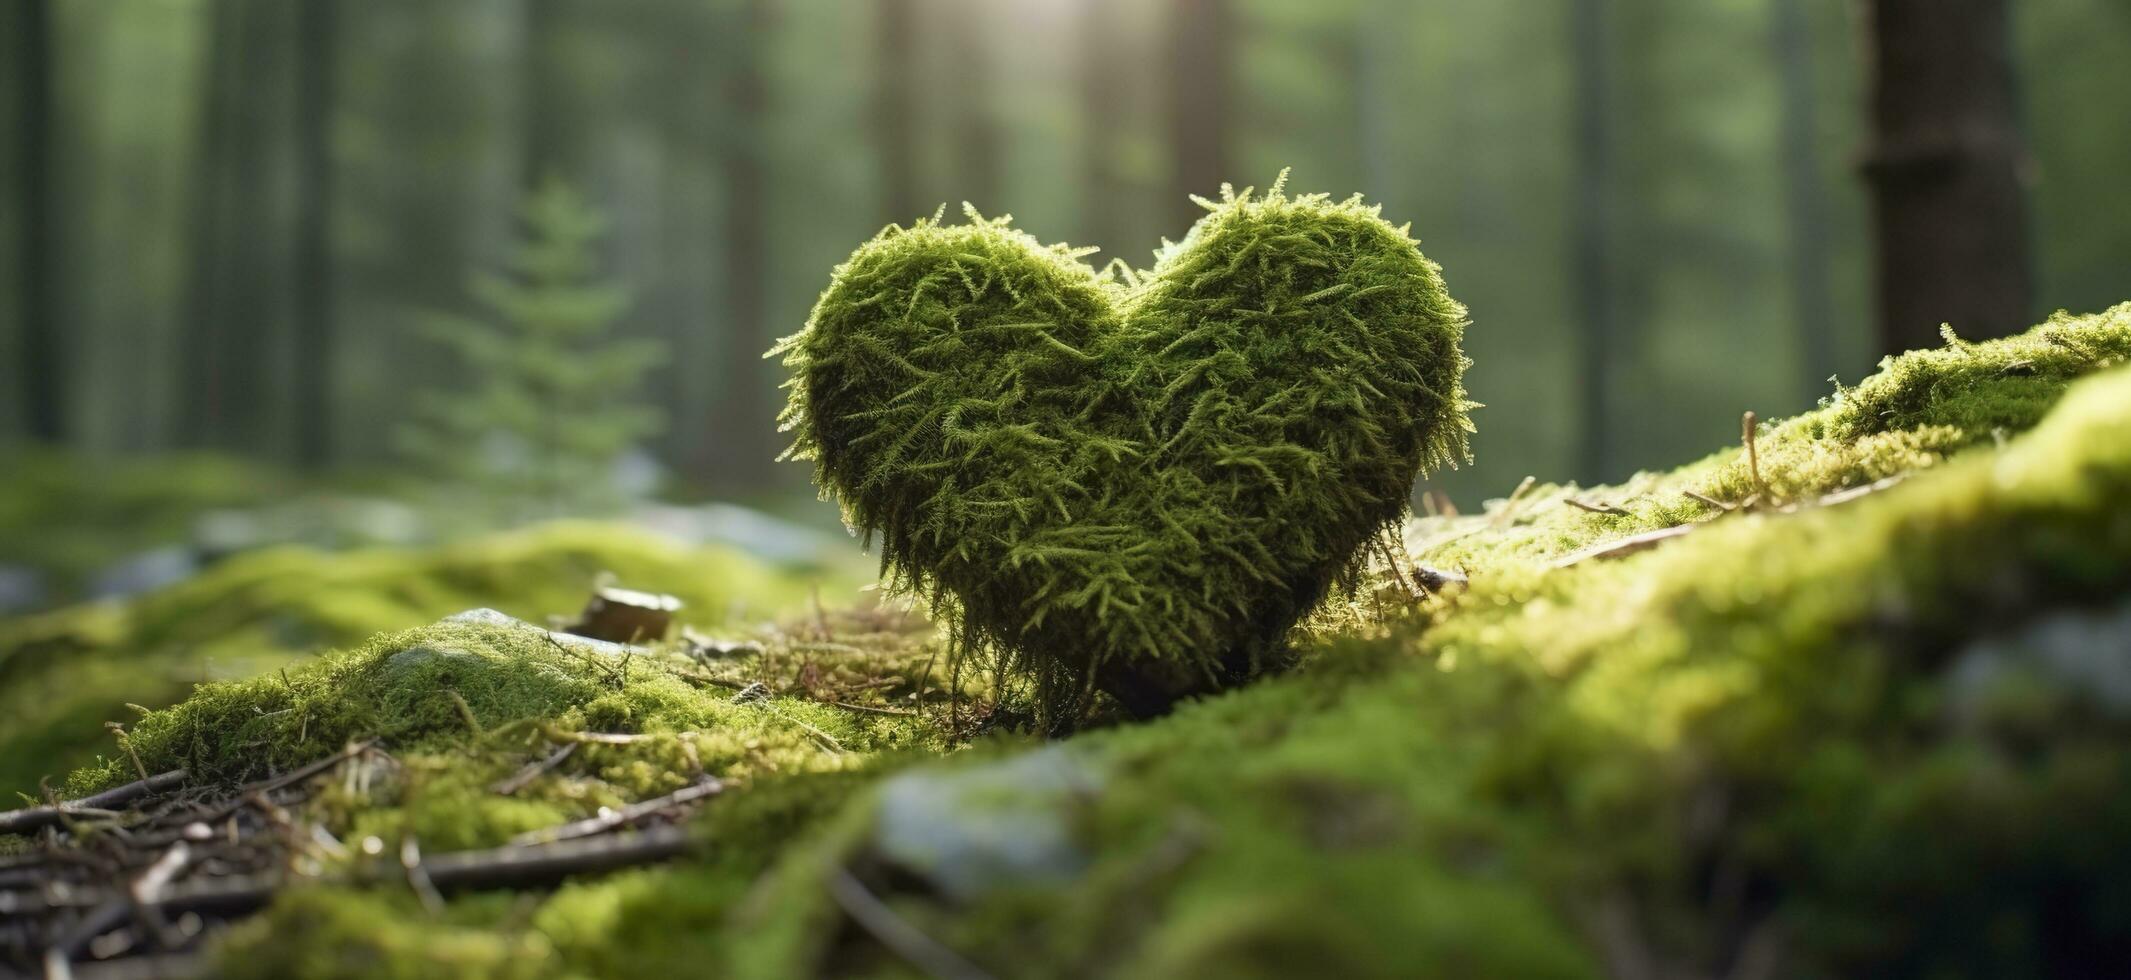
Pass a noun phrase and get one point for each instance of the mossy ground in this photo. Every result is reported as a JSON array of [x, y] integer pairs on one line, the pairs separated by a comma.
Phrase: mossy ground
[[64, 673], [1885, 737]]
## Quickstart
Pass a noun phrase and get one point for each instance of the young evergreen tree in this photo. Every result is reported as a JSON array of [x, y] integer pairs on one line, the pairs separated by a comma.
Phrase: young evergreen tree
[[548, 401]]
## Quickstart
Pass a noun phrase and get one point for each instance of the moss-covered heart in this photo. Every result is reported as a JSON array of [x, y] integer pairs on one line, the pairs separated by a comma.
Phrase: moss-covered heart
[[1136, 483]]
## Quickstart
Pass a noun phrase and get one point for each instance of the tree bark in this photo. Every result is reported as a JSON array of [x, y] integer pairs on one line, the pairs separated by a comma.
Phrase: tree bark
[[745, 403], [1199, 103], [315, 334], [1591, 261], [43, 353], [542, 110], [894, 108], [1804, 203], [1945, 168], [202, 368]]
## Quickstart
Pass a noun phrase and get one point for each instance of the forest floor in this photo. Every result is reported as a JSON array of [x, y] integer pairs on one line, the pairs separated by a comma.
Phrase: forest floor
[[1850, 698]]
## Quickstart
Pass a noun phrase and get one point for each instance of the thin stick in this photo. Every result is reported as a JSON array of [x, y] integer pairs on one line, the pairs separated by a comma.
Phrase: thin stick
[[1753, 453], [610, 819], [1600, 508], [1707, 501], [1626, 546], [1501, 518], [901, 938], [535, 770], [37, 817], [418, 875], [872, 709], [501, 867]]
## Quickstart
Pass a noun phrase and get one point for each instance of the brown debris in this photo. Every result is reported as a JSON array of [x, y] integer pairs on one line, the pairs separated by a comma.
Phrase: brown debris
[[620, 615]]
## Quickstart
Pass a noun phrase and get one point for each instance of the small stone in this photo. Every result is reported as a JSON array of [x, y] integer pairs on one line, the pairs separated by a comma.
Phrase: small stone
[[977, 830]]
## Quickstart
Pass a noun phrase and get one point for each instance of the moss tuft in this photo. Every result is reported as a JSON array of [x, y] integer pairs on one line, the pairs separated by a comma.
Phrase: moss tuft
[[1141, 485], [64, 673], [1919, 410]]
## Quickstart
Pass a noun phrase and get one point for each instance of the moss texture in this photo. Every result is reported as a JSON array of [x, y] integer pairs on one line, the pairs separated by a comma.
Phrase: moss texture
[[1137, 484], [64, 673], [1889, 736]]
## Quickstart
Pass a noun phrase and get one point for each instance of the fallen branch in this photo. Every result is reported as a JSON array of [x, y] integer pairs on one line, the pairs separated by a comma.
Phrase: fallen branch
[[610, 819], [37, 817], [502, 867]]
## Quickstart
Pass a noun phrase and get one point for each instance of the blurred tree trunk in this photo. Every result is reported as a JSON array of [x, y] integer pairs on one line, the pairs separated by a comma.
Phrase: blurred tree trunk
[[895, 105], [1811, 307], [1201, 39], [1104, 105], [200, 395], [542, 121], [313, 343], [1945, 168], [43, 352], [745, 415], [1591, 264], [240, 281], [979, 140]]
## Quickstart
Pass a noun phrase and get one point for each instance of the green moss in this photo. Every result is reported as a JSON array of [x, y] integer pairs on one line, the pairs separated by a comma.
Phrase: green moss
[[1765, 739], [1135, 485], [1888, 737], [381, 936], [1920, 409], [63, 674]]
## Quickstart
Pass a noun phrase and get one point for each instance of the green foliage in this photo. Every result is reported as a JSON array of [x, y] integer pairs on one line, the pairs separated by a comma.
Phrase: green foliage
[[1137, 485], [549, 399], [1884, 737], [64, 673], [1868, 739], [1919, 409]]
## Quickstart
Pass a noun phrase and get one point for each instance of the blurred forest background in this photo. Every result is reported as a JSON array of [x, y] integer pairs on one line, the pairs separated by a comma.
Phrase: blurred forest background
[[261, 228]]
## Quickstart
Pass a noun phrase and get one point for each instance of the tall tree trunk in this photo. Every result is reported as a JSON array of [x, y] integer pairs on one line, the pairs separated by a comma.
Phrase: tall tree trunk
[[313, 347], [203, 370], [1104, 98], [1811, 307], [895, 107], [541, 122], [979, 140], [1945, 166], [1591, 261], [1199, 103], [745, 404], [43, 354]]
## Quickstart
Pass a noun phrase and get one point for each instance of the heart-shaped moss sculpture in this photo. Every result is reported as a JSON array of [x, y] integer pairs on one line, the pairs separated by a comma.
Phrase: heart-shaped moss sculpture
[[1137, 483]]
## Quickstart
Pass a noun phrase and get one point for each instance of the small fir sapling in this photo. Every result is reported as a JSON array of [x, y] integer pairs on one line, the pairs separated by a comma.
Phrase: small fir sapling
[[1136, 485], [548, 400]]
